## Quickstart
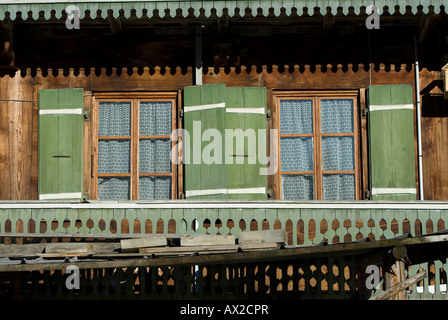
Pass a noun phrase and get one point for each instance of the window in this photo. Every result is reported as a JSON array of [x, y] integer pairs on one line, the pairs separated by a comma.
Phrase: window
[[318, 139], [134, 146]]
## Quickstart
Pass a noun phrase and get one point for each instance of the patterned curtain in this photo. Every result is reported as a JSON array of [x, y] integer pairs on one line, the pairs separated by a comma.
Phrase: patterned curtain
[[114, 188], [297, 187], [154, 153], [114, 155], [154, 188], [296, 116], [296, 153], [337, 151]]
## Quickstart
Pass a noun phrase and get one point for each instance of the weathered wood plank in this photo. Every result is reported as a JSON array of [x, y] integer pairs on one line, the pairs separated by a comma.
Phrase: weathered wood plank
[[206, 239], [209, 248], [264, 236], [69, 247], [135, 244]]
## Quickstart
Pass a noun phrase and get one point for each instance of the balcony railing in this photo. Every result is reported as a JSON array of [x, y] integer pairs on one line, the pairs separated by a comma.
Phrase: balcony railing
[[305, 222]]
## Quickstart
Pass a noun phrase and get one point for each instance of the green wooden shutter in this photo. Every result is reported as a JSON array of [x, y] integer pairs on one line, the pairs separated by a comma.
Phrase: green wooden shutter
[[60, 144], [246, 116], [236, 172], [204, 109], [391, 142]]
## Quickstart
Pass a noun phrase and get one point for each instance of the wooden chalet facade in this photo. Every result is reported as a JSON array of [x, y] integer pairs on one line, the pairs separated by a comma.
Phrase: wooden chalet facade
[[343, 126]]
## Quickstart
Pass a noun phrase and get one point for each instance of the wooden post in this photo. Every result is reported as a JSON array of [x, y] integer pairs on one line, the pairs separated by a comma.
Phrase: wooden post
[[392, 280], [395, 290]]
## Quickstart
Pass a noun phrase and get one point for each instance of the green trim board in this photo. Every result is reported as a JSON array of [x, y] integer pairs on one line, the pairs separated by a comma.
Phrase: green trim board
[[391, 142], [60, 144], [59, 6]]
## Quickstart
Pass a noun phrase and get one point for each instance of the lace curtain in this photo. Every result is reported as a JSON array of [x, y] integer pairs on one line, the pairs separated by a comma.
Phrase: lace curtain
[[114, 155], [154, 154], [337, 152], [296, 153]]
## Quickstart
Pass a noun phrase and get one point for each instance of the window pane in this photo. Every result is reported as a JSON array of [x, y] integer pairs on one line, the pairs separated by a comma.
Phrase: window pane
[[114, 119], [154, 155], [113, 188], [155, 118], [154, 188], [296, 154], [338, 153], [296, 116], [297, 187], [114, 156], [338, 186], [336, 115]]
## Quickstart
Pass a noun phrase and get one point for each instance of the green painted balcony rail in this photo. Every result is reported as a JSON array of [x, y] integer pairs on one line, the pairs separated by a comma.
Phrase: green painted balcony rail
[[306, 222]]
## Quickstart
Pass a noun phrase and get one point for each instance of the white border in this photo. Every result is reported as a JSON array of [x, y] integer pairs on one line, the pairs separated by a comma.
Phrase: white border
[[377, 191], [391, 107], [205, 107], [60, 111], [55, 196], [245, 110]]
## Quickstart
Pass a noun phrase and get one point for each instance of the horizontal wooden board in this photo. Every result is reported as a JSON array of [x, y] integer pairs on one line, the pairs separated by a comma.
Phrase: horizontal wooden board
[[134, 244], [206, 239], [264, 236], [69, 247], [209, 249]]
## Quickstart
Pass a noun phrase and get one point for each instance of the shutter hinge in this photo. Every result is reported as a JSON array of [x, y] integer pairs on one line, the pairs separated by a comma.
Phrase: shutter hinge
[[181, 114], [268, 114], [364, 111], [181, 195], [270, 193], [86, 115], [367, 194]]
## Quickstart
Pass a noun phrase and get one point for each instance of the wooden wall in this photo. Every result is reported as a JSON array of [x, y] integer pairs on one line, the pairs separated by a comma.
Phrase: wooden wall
[[18, 120], [16, 139], [434, 136]]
